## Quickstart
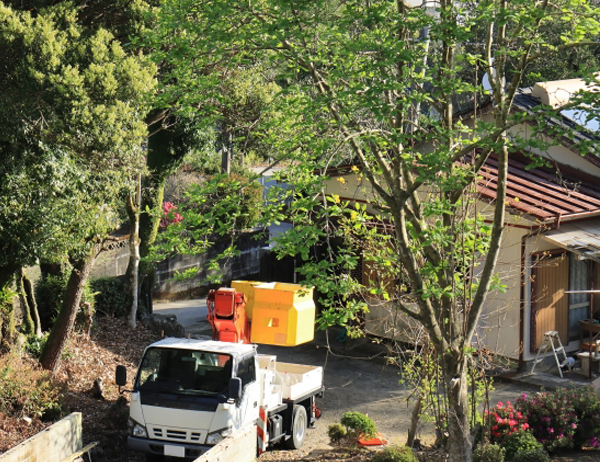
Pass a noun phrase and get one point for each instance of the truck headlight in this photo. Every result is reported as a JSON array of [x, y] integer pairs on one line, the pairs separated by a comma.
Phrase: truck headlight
[[137, 429], [218, 436]]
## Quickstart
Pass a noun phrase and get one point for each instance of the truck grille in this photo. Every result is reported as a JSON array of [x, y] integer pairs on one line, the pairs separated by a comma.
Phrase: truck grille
[[175, 435]]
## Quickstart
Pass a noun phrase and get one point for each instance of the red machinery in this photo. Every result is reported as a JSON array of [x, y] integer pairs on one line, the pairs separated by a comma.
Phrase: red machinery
[[227, 316]]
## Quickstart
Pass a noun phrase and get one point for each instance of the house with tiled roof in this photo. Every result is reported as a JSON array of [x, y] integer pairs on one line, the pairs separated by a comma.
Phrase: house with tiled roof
[[550, 255]]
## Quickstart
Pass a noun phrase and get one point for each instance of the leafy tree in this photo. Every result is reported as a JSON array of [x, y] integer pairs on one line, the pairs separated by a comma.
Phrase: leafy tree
[[228, 122], [379, 84], [73, 108]]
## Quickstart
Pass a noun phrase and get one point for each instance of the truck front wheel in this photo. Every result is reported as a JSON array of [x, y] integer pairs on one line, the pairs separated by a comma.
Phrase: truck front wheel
[[299, 424]]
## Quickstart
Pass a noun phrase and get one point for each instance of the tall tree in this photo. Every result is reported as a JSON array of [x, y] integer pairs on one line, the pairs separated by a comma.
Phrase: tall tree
[[73, 107], [380, 83]]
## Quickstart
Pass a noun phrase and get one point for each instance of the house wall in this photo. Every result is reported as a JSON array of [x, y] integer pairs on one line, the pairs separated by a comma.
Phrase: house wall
[[352, 187], [499, 325]]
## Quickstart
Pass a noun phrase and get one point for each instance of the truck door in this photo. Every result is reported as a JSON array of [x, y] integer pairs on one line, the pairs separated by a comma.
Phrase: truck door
[[247, 406]]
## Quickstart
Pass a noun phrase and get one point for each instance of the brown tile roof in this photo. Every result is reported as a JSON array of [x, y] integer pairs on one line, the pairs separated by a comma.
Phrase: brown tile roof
[[542, 192]]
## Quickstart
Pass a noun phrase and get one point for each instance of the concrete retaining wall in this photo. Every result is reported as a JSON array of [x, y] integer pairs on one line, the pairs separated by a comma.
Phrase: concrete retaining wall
[[251, 246], [54, 444], [240, 447]]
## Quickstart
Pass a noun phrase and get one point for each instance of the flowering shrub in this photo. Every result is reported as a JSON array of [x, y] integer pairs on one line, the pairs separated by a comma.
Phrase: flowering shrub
[[505, 420], [169, 215], [587, 409], [551, 417]]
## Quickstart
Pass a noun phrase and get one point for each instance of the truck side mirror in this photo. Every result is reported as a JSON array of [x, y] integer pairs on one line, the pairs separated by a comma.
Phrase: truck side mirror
[[235, 388], [121, 376]]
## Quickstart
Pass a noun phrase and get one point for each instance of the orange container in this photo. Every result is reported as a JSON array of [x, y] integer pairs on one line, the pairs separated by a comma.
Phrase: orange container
[[283, 314]]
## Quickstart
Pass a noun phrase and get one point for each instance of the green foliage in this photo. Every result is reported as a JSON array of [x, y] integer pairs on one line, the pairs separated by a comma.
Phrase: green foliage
[[551, 418], [395, 454], [26, 390], [72, 107], [249, 195], [587, 409], [112, 297], [336, 432], [519, 442], [371, 92], [358, 424], [35, 345], [486, 452], [49, 293], [7, 318], [531, 455], [216, 210]]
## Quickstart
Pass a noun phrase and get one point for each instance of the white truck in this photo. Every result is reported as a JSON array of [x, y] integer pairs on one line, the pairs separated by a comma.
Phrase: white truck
[[189, 394]]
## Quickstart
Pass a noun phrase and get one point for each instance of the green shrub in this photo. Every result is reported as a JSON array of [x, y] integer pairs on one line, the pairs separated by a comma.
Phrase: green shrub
[[487, 452], [395, 454], [49, 295], [358, 424], [531, 455], [521, 441], [336, 432], [35, 345], [113, 297], [27, 390]]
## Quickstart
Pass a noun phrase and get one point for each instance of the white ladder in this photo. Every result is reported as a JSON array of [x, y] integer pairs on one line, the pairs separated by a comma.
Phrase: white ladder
[[558, 348]]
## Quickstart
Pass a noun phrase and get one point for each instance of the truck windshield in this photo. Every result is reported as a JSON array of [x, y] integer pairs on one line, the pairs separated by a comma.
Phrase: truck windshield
[[171, 370]]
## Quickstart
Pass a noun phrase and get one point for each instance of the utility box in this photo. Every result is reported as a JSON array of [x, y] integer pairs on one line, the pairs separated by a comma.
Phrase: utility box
[[283, 314]]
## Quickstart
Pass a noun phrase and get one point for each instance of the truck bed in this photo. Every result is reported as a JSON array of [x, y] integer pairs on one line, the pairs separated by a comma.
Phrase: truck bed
[[287, 380]]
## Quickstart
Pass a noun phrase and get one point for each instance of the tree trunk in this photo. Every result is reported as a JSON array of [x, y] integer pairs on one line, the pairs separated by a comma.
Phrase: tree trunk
[[166, 151], [28, 324], [7, 315], [51, 354], [30, 296], [460, 444], [135, 253], [414, 421]]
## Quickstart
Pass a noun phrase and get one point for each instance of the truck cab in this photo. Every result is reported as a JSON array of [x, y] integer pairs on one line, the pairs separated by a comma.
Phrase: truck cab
[[190, 394]]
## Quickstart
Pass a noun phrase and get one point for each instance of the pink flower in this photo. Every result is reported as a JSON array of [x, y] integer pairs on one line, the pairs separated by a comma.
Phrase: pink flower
[[169, 215]]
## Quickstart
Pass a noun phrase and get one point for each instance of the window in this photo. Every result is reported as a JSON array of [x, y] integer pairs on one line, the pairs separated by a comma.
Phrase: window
[[579, 304], [247, 370], [170, 370]]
